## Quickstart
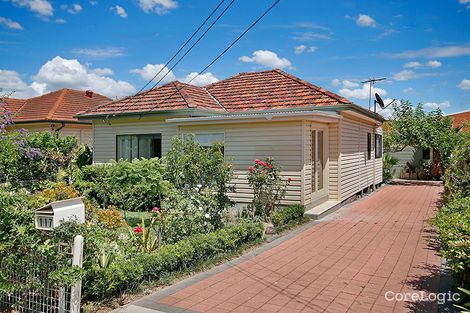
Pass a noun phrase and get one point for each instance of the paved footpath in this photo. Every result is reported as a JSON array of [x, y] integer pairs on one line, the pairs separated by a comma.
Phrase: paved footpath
[[344, 263]]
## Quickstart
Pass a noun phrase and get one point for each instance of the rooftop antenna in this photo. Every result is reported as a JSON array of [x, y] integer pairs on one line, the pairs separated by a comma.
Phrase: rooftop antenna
[[371, 82], [378, 100]]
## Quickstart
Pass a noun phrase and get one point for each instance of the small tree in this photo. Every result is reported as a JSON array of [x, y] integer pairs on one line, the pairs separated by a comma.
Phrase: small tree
[[268, 188]]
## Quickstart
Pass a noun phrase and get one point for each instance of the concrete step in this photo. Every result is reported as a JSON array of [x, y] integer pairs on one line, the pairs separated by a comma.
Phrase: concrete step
[[323, 209]]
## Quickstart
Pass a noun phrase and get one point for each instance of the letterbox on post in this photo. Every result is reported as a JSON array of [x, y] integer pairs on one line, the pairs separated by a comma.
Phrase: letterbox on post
[[53, 214]]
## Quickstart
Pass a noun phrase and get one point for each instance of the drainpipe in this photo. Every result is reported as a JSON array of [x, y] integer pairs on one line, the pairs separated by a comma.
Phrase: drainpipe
[[61, 126]]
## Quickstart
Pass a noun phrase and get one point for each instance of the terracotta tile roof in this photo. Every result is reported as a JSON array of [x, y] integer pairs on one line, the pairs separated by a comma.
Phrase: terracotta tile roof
[[273, 89], [60, 105], [459, 118]]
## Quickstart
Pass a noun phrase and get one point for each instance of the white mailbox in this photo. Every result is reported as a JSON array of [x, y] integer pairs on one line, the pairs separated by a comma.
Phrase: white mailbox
[[52, 215]]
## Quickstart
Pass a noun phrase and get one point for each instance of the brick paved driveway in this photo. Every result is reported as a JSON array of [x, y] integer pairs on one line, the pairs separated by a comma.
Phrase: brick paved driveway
[[344, 263]]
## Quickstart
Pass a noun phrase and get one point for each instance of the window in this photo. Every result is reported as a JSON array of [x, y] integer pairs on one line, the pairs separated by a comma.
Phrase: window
[[207, 139], [130, 147], [427, 154], [369, 146], [378, 146]]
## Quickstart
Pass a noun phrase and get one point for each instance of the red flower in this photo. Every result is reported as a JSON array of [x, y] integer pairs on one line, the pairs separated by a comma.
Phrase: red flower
[[270, 167], [262, 163], [289, 179], [138, 230], [263, 172], [155, 209], [257, 161], [251, 168]]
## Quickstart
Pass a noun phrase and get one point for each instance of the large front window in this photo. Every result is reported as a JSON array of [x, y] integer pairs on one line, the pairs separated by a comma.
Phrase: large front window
[[147, 146], [207, 139]]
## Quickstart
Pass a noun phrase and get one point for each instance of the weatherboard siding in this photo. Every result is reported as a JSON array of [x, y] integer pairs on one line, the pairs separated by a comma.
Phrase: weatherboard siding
[[82, 132]]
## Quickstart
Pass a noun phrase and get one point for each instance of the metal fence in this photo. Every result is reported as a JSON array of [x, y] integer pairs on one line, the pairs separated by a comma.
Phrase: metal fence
[[33, 292]]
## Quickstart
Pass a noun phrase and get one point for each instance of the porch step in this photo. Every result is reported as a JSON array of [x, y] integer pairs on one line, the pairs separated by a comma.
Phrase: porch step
[[323, 209]]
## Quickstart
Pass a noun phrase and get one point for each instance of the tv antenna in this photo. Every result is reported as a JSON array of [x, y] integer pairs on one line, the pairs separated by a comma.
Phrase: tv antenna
[[371, 83], [378, 100]]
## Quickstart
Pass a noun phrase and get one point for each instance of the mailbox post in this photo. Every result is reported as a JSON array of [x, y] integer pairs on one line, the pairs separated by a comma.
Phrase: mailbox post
[[53, 214]]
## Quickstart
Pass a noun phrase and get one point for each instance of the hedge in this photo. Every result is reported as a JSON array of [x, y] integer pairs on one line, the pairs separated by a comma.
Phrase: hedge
[[124, 275], [287, 214]]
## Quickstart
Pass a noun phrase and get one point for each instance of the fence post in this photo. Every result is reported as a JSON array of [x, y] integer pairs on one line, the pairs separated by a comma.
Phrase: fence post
[[77, 259]]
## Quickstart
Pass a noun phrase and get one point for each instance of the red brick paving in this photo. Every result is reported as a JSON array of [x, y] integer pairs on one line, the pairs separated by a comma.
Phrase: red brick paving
[[343, 264]]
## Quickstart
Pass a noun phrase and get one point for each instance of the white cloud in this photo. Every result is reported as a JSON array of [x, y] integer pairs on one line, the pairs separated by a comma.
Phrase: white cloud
[[158, 6], [434, 64], [464, 84], [303, 48], [266, 58], [10, 24], [103, 71], [108, 52], [349, 84], [336, 82], [309, 36], [408, 90], [434, 52], [412, 64], [361, 93], [41, 7], [119, 10], [434, 105], [72, 8], [150, 70], [364, 20], [201, 80], [388, 111], [404, 75], [59, 21]]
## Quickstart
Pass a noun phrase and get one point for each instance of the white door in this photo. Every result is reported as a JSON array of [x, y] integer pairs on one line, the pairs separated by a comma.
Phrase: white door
[[319, 157]]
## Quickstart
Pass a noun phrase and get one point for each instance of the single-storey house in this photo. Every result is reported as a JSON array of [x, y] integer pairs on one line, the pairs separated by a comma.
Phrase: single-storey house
[[55, 112], [329, 147], [461, 119]]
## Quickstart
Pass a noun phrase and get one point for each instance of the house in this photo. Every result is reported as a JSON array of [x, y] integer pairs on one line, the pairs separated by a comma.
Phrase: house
[[460, 119], [329, 147], [55, 112]]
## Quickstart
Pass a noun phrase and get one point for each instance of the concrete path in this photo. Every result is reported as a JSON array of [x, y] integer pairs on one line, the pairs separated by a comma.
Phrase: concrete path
[[352, 261]]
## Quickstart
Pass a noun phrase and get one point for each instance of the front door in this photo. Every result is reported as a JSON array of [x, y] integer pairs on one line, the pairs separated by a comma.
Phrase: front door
[[319, 157]]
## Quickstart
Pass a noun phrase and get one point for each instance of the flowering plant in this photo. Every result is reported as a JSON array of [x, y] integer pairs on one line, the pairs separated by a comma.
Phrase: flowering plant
[[149, 238], [268, 188]]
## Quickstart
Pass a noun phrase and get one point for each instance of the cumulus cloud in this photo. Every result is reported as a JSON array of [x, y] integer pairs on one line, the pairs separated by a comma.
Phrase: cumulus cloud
[[361, 93], [72, 8], [388, 111], [10, 24], [201, 80], [64, 73], [150, 70], [434, 52], [160, 7], [365, 20], [434, 105], [41, 7], [344, 83], [303, 48], [119, 10], [430, 63], [412, 64], [408, 90], [266, 58], [103, 71], [100, 53], [464, 84], [404, 75], [434, 64]]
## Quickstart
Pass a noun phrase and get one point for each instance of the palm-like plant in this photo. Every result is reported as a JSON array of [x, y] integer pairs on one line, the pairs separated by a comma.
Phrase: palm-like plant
[[465, 307]]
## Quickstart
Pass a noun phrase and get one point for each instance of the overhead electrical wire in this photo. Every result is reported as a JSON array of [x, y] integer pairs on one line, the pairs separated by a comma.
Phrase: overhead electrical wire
[[182, 57], [219, 56]]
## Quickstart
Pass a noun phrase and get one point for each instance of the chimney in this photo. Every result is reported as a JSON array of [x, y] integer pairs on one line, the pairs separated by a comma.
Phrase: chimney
[[89, 94]]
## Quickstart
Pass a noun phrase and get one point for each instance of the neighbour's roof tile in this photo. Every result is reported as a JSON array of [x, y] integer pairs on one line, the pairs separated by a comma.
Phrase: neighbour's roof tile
[[458, 119], [273, 89], [60, 105]]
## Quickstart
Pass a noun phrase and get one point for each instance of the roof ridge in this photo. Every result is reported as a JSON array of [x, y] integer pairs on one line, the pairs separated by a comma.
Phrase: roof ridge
[[215, 99], [310, 85], [186, 97], [58, 102]]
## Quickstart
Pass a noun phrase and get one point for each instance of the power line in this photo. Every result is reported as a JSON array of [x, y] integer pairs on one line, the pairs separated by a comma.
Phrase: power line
[[184, 55], [220, 55], [180, 49]]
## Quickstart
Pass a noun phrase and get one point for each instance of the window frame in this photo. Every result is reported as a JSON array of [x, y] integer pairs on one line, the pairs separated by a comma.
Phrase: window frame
[[138, 146], [204, 133], [369, 145], [378, 147]]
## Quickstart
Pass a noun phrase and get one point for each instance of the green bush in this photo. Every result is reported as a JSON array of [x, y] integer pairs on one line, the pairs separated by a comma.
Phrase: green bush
[[453, 222], [287, 214], [457, 174], [130, 186], [388, 163], [124, 275]]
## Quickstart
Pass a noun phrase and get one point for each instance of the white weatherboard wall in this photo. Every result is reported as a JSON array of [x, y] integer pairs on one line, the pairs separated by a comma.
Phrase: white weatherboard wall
[[83, 132], [246, 142], [356, 172], [104, 134]]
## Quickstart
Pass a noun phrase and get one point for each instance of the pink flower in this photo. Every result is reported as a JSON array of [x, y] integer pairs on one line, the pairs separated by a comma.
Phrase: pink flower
[[138, 230], [155, 209], [263, 172], [289, 179], [270, 167], [251, 168], [257, 161]]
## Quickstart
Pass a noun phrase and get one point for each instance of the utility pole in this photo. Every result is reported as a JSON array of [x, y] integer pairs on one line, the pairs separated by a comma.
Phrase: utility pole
[[371, 82]]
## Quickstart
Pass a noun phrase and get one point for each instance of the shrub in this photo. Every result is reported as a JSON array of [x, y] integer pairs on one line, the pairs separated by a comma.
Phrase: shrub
[[111, 218], [287, 214], [457, 174], [124, 275], [84, 156], [388, 163], [130, 186], [268, 188]]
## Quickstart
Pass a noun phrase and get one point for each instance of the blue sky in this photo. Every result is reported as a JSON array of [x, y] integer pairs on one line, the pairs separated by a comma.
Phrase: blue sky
[[113, 47]]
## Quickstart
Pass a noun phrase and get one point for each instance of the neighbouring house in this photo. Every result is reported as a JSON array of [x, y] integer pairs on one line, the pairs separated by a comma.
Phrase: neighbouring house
[[55, 112], [329, 147], [410, 159]]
